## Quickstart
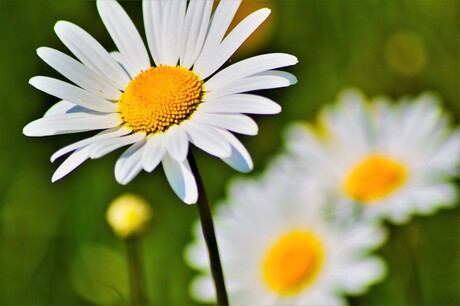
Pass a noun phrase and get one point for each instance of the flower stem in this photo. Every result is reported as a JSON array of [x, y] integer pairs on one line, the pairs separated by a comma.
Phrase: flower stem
[[136, 274], [207, 227], [414, 287]]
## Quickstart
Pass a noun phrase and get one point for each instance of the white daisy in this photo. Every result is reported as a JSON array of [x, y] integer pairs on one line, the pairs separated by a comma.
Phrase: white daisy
[[395, 160], [277, 249], [158, 108]]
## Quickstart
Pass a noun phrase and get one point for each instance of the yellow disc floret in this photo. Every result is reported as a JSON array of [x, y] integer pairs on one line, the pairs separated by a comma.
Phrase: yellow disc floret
[[374, 178], [160, 97], [293, 262]]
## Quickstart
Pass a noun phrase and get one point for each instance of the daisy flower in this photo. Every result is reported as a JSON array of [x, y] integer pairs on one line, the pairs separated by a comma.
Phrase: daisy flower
[[278, 249], [158, 104], [394, 159]]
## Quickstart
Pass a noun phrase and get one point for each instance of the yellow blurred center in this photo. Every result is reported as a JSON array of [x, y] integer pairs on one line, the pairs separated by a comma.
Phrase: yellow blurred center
[[292, 262], [160, 97], [375, 178]]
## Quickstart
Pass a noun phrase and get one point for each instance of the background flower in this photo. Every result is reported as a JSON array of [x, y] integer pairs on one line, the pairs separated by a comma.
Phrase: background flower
[[395, 159], [278, 247], [338, 43]]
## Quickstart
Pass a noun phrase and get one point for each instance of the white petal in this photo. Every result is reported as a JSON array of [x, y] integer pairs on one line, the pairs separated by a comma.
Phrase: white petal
[[202, 289], [125, 36], [60, 108], [240, 160], [233, 41], [207, 139], [70, 123], [72, 162], [78, 73], [181, 179], [130, 163], [154, 151], [119, 58], [248, 67], [99, 149], [111, 133], [237, 123], [355, 277], [220, 21], [434, 196], [263, 80], [152, 12], [447, 157], [194, 31], [196, 256], [364, 237], [91, 53], [177, 142], [171, 30], [241, 103], [74, 94]]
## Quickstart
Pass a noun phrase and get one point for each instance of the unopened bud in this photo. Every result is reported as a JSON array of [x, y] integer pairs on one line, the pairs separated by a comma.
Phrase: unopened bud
[[129, 215]]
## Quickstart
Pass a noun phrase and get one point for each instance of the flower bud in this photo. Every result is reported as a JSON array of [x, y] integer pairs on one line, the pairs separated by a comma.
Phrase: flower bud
[[129, 216]]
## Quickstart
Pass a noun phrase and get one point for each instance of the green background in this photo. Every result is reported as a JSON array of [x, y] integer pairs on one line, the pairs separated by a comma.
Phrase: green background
[[55, 247]]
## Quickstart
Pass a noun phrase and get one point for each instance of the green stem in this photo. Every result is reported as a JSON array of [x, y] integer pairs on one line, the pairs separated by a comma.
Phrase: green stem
[[136, 272], [207, 227], [414, 287]]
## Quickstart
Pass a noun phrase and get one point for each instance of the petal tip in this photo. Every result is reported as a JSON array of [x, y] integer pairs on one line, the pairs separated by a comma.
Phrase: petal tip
[[266, 10], [190, 200], [33, 81], [59, 26], [56, 177], [40, 50], [30, 130]]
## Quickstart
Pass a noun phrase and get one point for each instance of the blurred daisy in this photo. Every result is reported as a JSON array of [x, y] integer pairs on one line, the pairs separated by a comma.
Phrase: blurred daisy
[[277, 249], [394, 159], [158, 108]]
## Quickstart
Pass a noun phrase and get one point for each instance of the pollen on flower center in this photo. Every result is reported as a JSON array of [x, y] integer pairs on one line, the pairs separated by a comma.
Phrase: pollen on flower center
[[292, 262], [160, 97], [375, 178]]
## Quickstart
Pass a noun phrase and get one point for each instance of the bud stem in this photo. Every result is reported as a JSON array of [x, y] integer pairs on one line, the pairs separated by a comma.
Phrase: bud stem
[[136, 274]]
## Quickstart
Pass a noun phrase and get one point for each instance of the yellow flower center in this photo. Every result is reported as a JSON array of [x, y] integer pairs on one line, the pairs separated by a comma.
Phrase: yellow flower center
[[160, 97], [375, 178], [293, 262]]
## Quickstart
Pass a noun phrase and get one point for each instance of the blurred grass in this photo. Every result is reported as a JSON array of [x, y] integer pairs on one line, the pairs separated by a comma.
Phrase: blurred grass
[[44, 227]]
